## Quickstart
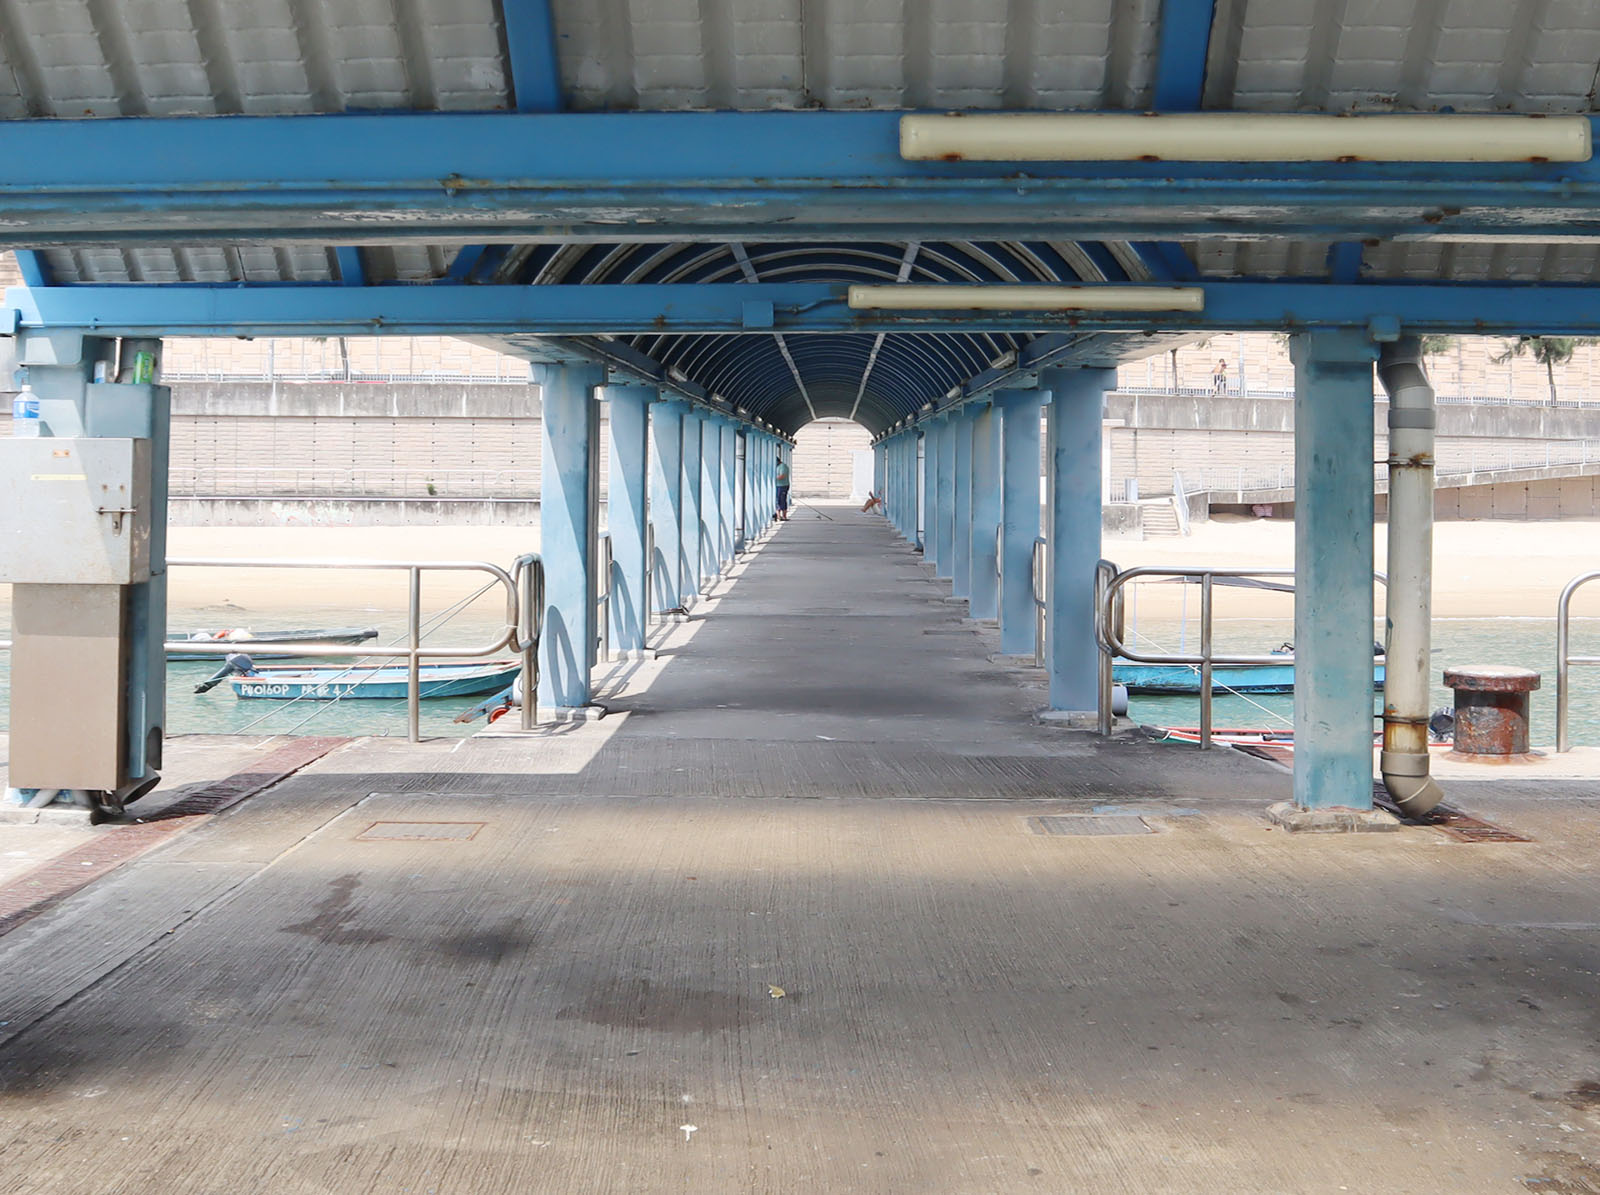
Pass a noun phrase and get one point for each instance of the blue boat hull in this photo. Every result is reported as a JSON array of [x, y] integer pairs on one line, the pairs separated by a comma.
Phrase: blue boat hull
[[388, 684], [1184, 679]]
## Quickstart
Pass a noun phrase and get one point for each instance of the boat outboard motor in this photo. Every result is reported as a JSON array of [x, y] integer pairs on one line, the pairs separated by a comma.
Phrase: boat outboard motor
[[233, 664]]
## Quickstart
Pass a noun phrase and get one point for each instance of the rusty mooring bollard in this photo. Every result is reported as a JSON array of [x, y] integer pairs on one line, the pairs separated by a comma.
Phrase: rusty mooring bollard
[[1491, 710]]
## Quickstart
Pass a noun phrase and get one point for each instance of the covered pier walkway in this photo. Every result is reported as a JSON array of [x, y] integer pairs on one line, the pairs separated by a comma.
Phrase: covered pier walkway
[[786, 920]]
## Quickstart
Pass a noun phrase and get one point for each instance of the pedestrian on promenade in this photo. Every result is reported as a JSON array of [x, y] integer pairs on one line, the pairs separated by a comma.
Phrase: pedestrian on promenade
[[783, 490]]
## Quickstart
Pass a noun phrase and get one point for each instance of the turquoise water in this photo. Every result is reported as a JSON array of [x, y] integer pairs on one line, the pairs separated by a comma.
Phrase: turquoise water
[[1526, 642], [220, 712], [1523, 642]]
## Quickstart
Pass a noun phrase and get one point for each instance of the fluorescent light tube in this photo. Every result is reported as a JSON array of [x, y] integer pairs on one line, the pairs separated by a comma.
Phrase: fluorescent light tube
[[1027, 298], [1241, 137]]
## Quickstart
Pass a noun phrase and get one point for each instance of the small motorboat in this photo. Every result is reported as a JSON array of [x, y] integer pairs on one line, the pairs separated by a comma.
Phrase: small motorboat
[[255, 641], [387, 682], [1184, 679]]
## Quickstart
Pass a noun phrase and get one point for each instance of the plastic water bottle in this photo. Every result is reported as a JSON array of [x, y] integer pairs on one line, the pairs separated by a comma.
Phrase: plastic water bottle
[[25, 412]]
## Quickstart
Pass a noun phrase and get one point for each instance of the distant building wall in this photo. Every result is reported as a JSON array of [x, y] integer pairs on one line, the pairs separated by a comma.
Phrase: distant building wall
[[824, 457]]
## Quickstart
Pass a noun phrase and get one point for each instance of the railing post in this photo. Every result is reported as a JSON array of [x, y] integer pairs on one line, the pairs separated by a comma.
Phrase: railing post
[[414, 658]]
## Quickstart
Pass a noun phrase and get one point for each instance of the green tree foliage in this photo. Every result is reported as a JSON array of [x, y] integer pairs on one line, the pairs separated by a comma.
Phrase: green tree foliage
[[1549, 351]]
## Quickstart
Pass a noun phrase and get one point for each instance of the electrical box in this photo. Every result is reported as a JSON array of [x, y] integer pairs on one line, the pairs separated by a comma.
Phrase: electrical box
[[74, 511]]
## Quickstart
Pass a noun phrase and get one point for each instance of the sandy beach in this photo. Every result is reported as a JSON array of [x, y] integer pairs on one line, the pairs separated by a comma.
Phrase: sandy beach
[[1481, 569]]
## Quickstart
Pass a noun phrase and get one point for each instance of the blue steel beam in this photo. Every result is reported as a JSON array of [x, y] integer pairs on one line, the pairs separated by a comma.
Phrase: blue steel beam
[[376, 178], [532, 311], [34, 268], [531, 46], [1181, 50]]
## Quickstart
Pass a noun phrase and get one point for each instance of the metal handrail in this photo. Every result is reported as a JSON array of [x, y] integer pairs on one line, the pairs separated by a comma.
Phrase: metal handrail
[[1041, 598], [648, 603], [1107, 608], [524, 592], [1564, 658], [1109, 629], [602, 598]]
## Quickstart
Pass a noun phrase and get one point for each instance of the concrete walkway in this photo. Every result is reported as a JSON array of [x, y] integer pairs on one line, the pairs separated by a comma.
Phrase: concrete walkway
[[612, 956]]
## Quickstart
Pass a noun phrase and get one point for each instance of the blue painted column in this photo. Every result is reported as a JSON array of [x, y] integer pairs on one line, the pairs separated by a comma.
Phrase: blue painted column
[[730, 490], [983, 585], [626, 513], [666, 501], [1333, 570], [961, 525], [1019, 516], [891, 480], [567, 530], [710, 500], [689, 527], [1078, 400], [742, 526], [930, 492], [769, 479], [880, 473], [945, 502], [930, 486]]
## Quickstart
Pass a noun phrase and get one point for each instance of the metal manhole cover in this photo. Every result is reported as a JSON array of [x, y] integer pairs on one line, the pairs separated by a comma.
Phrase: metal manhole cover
[[419, 831], [1084, 825]]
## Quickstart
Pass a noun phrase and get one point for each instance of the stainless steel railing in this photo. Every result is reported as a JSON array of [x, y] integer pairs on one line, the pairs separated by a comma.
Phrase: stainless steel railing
[[1108, 626], [1041, 598], [1564, 657], [1109, 630], [522, 586], [602, 609]]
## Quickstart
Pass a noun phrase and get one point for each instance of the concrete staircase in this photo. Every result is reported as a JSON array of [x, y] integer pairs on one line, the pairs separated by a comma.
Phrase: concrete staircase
[[1159, 520]]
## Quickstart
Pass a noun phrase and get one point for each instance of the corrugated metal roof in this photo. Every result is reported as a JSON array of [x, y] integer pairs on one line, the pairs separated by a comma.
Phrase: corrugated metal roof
[[181, 57], [73, 58]]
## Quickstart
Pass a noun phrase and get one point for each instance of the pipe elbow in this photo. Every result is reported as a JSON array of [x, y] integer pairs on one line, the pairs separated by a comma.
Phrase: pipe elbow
[[1415, 795]]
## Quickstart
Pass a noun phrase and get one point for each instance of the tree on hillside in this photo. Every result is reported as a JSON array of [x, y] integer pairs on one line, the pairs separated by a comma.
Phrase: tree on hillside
[[1549, 351]]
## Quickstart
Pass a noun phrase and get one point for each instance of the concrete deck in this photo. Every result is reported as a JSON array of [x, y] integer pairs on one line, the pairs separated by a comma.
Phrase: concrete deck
[[551, 963]]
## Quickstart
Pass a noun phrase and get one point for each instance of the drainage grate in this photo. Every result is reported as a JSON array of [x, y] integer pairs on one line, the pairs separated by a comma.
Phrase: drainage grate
[[419, 831], [1084, 825], [1463, 827]]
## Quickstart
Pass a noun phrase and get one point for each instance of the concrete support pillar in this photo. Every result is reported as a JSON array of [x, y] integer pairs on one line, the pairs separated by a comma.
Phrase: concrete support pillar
[[892, 483], [742, 516], [710, 499], [1074, 535], [1333, 538], [1019, 517], [944, 505], [984, 584], [961, 529], [666, 502], [628, 510], [930, 488], [880, 469], [730, 490], [691, 537], [567, 514]]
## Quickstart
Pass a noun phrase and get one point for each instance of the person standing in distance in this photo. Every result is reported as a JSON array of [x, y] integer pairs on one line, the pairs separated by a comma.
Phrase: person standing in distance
[[783, 489]]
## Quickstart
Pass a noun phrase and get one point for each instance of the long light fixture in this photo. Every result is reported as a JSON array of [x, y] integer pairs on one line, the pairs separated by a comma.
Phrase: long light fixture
[[1241, 137], [1027, 298]]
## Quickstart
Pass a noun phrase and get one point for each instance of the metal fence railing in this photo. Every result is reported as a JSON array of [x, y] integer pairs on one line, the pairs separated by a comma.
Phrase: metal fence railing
[[1110, 629], [1564, 657], [522, 586]]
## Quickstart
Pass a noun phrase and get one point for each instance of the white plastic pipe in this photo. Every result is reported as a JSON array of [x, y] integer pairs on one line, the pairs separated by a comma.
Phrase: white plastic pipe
[[1241, 137], [902, 297], [1408, 611]]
